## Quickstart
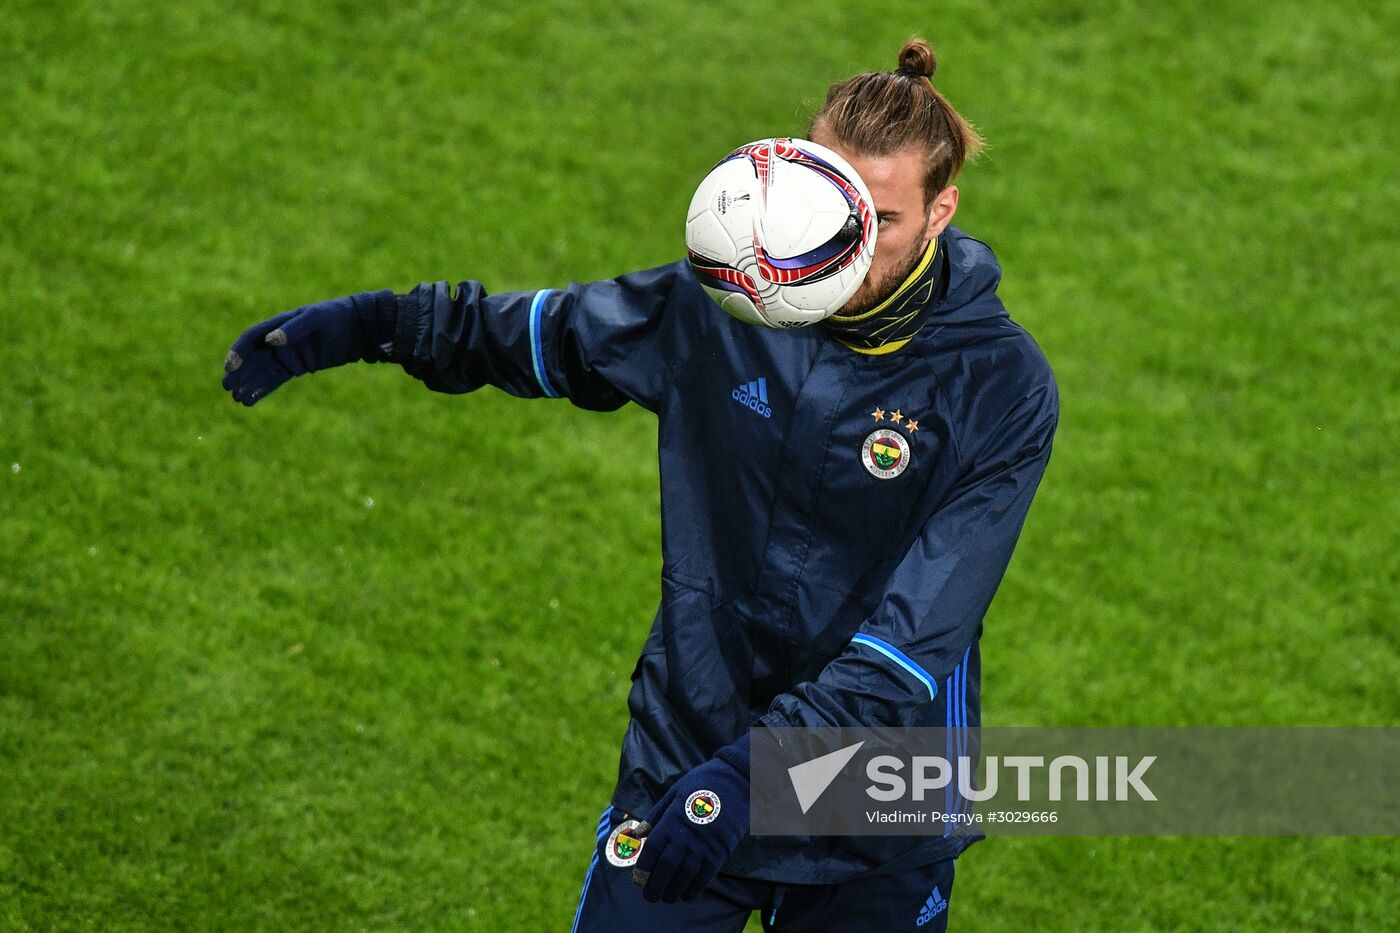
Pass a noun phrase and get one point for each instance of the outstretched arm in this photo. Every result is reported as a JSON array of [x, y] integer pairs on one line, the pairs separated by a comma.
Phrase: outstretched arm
[[598, 344]]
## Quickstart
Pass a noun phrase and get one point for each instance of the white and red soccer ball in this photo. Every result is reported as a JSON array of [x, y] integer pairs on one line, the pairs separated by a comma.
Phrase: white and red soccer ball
[[781, 232]]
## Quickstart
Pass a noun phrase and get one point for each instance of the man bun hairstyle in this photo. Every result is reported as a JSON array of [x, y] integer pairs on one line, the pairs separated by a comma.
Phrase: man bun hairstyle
[[881, 112], [917, 60]]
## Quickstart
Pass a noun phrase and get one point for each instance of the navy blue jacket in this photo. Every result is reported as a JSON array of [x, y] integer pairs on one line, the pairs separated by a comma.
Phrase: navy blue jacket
[[834, 524]]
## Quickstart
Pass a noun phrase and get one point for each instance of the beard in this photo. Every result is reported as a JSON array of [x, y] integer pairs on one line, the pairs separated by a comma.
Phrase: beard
[[872, 292]]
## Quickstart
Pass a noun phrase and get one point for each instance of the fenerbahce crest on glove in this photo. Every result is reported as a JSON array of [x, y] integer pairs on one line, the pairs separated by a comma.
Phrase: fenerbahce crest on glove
[[694, 827]]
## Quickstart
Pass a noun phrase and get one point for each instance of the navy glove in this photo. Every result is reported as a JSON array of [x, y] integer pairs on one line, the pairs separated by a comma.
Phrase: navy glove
[[695, 826], [317, 336]]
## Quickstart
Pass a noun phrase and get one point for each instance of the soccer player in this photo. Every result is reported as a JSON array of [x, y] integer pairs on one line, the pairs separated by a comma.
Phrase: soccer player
[[839, 504]]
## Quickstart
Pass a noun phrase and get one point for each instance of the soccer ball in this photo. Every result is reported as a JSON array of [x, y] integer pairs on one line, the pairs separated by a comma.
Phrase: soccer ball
[[781, 232]]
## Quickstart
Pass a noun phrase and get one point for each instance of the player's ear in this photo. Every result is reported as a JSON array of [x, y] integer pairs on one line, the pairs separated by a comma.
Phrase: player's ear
[[941, 211]]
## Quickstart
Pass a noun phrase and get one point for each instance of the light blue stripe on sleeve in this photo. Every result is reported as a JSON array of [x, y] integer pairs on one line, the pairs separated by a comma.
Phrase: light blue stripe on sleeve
[[537, 345], [898, 657]]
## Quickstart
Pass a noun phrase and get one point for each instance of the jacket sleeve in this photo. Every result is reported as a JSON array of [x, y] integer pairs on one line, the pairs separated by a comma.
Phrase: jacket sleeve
[[932, 608], [598, 344]]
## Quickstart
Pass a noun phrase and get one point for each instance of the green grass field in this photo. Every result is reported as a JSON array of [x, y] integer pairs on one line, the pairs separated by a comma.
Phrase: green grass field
[[357, 658]]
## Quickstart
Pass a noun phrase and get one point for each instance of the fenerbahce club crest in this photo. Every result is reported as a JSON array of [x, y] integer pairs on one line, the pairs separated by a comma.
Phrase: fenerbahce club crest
[[702, 807], [623, 848], [885, 453]]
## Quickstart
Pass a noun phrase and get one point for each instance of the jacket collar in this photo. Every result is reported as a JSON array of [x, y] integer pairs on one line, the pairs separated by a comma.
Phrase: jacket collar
[[895, 321]]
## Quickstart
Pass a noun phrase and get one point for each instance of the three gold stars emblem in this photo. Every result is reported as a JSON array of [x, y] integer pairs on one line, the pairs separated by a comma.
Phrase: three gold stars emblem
[[879, 414]]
